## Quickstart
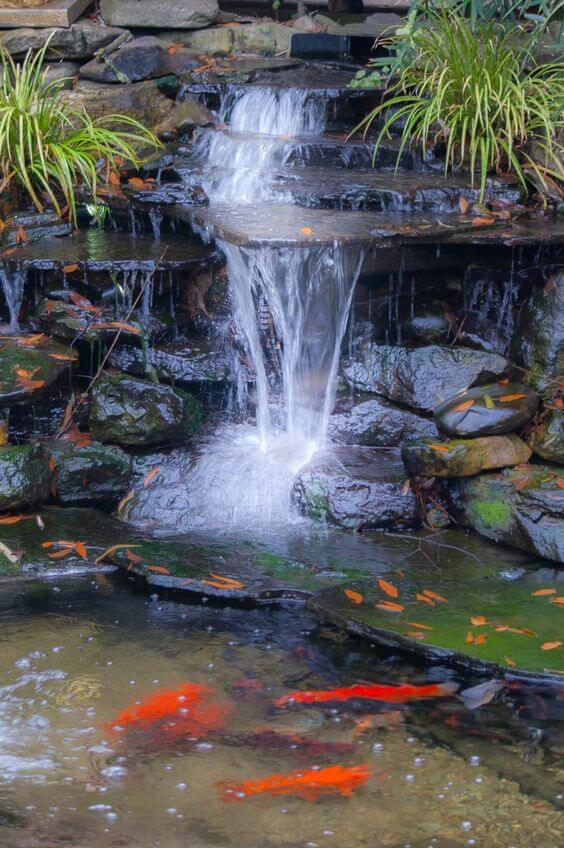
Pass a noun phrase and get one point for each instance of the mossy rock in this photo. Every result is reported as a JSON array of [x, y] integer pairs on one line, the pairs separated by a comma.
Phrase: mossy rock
[[546, 439], [522, 507], [25, 476], [131, 411], [68, 321], [29, 365], [463, 457], [516, 623], [90, 474], [487, 410]]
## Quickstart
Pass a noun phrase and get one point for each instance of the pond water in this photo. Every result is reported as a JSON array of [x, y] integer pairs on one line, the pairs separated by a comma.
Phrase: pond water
[[77, 653]]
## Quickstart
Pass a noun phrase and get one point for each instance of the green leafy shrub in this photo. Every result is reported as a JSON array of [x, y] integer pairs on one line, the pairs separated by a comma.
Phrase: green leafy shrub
[[477, 92], [48, 147]]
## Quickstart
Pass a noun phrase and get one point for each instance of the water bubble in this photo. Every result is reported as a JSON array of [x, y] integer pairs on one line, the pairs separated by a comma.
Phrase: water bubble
[[466, 825], [377, 747], [474, 760], [181, 785], [171, 810], [410, 777]]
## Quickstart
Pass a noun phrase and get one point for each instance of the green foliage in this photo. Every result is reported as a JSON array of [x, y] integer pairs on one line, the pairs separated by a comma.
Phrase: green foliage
[[48, 147], [478, 92]]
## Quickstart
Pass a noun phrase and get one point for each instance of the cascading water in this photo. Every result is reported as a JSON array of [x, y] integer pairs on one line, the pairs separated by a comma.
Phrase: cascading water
[[13, 282]]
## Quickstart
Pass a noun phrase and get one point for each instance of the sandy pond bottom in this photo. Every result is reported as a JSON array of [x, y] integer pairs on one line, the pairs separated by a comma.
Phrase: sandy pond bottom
[[74, 654]]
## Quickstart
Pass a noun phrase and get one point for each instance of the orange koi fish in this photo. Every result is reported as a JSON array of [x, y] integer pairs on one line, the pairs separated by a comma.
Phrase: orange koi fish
[[189, 711], [309, 785], [391, 694]]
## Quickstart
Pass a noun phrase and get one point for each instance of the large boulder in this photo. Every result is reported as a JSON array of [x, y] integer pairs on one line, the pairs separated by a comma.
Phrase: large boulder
[[372, 421], [130, 411], [79, 41], [538, 341], [547, 438], [160, 14], [463, 457], [487, 410], [25, 476], [356, 488], [216, 41], [521, 507], [89, 474], [141, 59], [267, 38], [192, 362], [141, 100], [420, 377]]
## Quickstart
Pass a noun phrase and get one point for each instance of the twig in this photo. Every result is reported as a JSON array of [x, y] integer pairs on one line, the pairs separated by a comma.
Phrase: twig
[[148, 280]]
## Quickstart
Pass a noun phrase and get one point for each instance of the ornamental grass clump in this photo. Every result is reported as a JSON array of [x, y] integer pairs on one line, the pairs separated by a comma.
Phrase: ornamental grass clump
[[477, 93], [48, 147]]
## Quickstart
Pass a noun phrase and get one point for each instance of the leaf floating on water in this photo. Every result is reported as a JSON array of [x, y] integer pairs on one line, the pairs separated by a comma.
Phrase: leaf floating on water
[[415, 634], [116, 325], [441, 448], [481, 639], [353, 596], [62, 357], [221, 582], [150, 476], [509, 398], [390, 606], [482, 222], [541, 592], [469, 638], [559, 601], [306, 231], [550, 646], [80, 548], [158, 569], [388, 588], [419, 625], [425, 600], [14, 519], [60, 554], [430, 594], [462, 407], [112, 549], [133, 557], [510, 662], [478, 620]]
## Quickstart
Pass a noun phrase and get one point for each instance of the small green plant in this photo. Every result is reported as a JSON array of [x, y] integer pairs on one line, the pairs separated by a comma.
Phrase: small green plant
[[478, 94], [49, 147]]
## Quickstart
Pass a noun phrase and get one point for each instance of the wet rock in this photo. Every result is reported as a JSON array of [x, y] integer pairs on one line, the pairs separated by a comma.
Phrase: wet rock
[[420, 377], [370, 420], [546, 439], [431, 326], [487, 410], [216, 41], [25, 476], [521, 507], [140, 100], [141, 59], [79, 41], [67, 320], [538, 342], [191, 113], [463, 457], [355, 488], [29, 365], [90, 474], [266, 38], [194, 362], [63, 72], [37, 226], [130, 411], [160, 14]]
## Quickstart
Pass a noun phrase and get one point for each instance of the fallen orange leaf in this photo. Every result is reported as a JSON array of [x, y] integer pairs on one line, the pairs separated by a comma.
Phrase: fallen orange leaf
[[463, 406], [69, 269], [434, 596], [478, 620], [482, 222], [469, 638], [390, 606], [542, 592], [229, 582], [306, 231], [481, 639], [463, 205], [158, 569], [509, 662], [15, 519], [550, 646], [388, 588], [353, 596], [559, 601], [150, 476], [442, 448], [415, 634], [509, 398], [425, 600], [60, 554], [80, 548], [419, 625]]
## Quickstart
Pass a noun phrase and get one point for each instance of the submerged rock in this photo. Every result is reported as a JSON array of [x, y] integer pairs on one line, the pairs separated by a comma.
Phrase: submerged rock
[[30, 364], [374, 422], [487, 410], [355, 488], [421, 377], [194, 362], [141, 59], [160, 14], [89, 474], [130, 411], [522, 507], [538, 342], [25, 476], [547, 438], [463, 457]]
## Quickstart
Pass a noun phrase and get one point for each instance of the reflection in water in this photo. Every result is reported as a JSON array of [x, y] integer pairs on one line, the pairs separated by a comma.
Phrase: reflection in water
[[75, 656]]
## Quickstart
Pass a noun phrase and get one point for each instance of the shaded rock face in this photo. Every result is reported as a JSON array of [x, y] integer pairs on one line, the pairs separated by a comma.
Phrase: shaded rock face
[[140, 59], [179, 363], [522, 507], [374, 422], [547, 438], [463, 457], [25, 477], [129, 411], [495, 409], [89, 474], [538, 343], [420, 377], [355, 488], [140, 100], [79, 41], [191, 113], [160, 14], [216, 41]]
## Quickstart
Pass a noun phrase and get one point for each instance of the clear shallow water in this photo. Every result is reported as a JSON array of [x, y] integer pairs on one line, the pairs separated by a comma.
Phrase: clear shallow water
[[75, 654]]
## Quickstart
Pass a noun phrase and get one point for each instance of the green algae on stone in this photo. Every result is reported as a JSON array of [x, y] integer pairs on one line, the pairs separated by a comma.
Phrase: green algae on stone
[[29, 365], [463, 457], [25, 476], [517, 624], [92, 473]]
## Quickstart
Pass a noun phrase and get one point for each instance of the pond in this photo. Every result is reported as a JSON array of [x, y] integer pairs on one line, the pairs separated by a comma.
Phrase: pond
[[77, 653]]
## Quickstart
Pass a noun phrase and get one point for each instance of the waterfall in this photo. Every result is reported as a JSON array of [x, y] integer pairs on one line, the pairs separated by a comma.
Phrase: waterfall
[[13, 282]]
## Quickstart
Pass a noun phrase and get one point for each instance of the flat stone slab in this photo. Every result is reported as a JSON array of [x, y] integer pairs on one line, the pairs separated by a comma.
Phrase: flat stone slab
[[29, 365], [54, 13], [487, 622], [317, 78], [98, 250]]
